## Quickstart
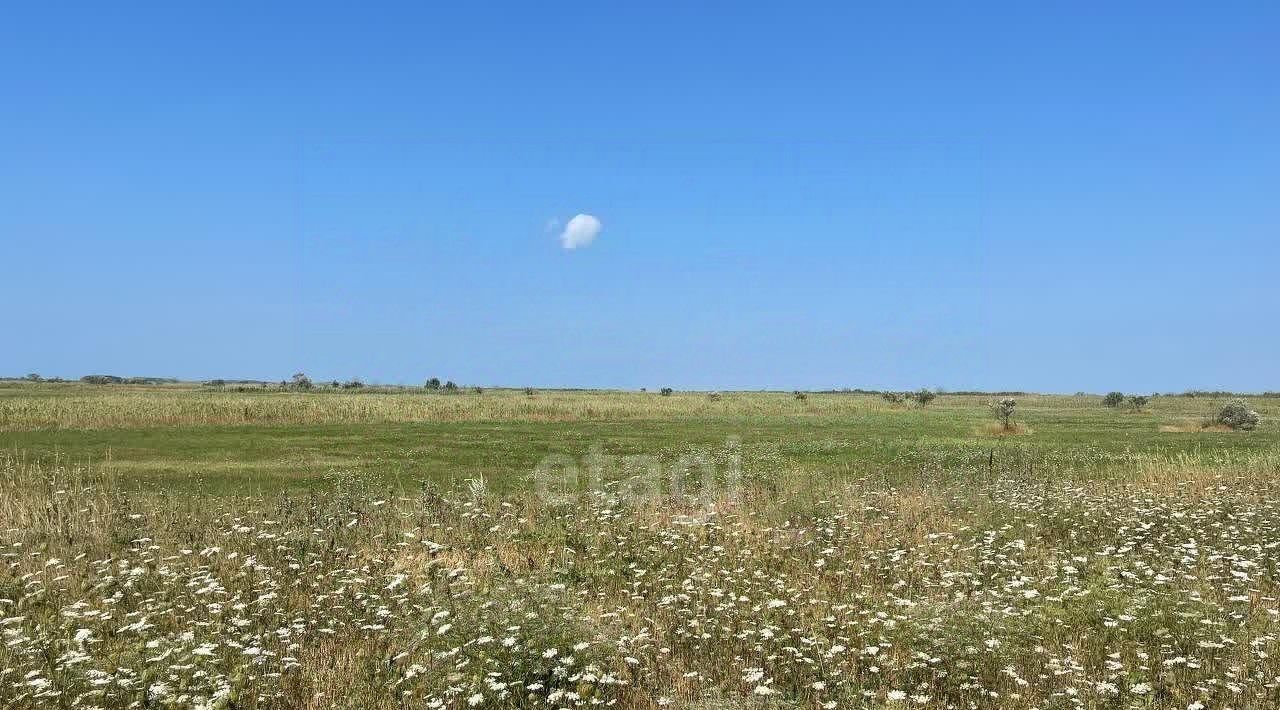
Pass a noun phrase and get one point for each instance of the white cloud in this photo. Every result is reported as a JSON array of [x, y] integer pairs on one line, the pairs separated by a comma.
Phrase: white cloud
[[580, 231]]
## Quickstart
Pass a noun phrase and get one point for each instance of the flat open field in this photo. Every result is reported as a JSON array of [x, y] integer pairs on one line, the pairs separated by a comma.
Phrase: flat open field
[[187, 439], [177, 547]]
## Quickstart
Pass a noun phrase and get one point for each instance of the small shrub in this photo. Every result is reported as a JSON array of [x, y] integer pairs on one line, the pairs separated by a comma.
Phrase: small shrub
[[713, 396], [802, 396], [1003, 410], [666, 391], [1138, 401], [891, 397], [300, 381], [528, 391], [1113, 399], [477, 390], [1237, 415], [923, 396], [450, 387]]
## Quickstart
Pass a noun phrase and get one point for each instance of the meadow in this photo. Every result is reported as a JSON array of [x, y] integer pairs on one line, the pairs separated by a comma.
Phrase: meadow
[[179, 546]]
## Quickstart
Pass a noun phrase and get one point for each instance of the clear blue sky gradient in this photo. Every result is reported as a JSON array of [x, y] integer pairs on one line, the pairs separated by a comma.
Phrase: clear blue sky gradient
[[967, 195]]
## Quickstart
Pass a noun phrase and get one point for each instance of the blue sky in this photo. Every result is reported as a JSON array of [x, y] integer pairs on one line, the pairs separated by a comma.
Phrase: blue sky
[[1076, 197]]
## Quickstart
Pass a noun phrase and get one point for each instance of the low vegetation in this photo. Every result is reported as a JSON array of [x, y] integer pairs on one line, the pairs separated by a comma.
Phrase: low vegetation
[[197, 547], [1237, 415], [922, 397], [1004, 410], [968, 587]]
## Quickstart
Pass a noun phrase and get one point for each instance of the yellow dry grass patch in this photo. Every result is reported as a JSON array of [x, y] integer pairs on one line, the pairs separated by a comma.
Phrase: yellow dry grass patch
[[503, 558], [996, 429], [329, 671], [1194, 476], [1194, 427]]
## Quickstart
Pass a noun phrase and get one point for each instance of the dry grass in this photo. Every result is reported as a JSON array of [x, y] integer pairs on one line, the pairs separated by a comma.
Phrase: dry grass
[[1195, 427], [1003, 592], [997, 429], [1045, 573], [88, 408]]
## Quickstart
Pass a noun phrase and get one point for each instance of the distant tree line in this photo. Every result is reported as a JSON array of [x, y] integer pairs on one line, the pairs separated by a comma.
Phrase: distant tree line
[[434, 385], [35, 377], [117, 380], [300, 381], [1219, 394], [922, 397], [1137, 401]]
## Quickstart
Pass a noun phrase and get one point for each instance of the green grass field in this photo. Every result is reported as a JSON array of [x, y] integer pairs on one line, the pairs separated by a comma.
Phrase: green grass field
[[188, 439], [173, 547]]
